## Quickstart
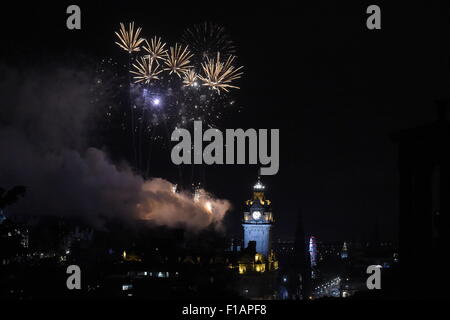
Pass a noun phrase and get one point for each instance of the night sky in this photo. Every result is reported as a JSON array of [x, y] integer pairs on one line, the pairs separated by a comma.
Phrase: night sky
[[335, 89]]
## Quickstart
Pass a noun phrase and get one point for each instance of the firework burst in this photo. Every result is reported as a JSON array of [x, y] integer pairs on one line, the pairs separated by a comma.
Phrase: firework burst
[[146, 70], [155, 49], [129, 40], [177, 60], [218, 75], [190, 78], [165, 101], [208, 38]]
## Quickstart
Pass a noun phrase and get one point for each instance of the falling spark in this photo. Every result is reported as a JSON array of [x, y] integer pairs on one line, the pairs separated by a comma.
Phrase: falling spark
[[155, 49], [146, 71], [190, 78], [219, 75], [129, 40], [177, 60]]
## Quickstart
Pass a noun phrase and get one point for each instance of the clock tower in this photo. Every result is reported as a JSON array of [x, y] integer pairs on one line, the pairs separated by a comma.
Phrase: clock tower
[[258, 220]]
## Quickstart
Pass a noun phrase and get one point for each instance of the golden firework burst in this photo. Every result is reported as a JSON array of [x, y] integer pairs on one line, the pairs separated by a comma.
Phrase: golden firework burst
[[129, 40], [146, 70], [190, 78], [155, 49], [218, 75], [177, 60]]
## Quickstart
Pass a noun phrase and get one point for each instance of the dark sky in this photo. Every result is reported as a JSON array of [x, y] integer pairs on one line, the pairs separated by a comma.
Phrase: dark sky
[[334, 89]]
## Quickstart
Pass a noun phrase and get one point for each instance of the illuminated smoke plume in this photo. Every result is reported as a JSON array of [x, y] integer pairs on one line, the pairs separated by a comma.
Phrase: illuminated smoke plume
[[164, 206], [43, 129]]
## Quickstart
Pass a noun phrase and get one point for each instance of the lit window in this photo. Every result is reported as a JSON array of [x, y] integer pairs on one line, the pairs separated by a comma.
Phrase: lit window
[[126, 287]]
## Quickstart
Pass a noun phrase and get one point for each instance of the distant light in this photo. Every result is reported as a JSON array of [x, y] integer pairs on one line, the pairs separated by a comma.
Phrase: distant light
[[156, 102], [259, 186], [126, 287]]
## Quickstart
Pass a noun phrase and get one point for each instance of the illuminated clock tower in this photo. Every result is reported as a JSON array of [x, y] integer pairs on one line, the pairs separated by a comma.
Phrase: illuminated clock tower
[[258, 220]]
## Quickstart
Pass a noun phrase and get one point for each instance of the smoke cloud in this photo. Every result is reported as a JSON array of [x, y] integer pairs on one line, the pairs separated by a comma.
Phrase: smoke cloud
[[43, 126]]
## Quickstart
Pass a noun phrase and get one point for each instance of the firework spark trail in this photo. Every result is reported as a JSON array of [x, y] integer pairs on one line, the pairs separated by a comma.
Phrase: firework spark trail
[[141, 123], [155, 49], [129, 40], [146, 70], [177, 60], [147, 171], [190, 78], [218, 75]]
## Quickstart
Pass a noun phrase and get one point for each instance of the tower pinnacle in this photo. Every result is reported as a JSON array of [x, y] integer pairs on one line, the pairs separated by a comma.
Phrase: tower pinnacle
[[258, 220]]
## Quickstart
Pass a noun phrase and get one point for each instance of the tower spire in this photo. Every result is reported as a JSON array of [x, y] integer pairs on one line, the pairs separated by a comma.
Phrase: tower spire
[[258, 185], [258, 220]]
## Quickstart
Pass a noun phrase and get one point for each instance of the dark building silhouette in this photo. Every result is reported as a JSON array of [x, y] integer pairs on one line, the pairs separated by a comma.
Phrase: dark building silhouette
[[424, 204], [296, 267], [302, 260]]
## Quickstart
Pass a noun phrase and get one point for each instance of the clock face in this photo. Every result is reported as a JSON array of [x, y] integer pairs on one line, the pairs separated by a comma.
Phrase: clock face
[[256, 215]]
